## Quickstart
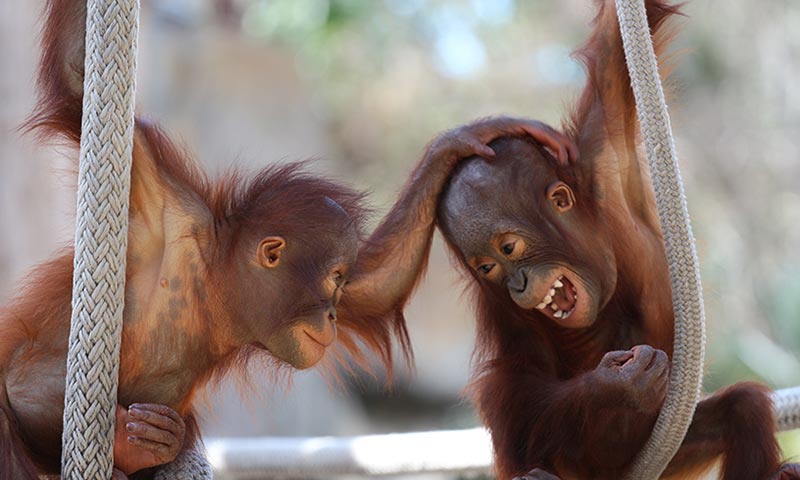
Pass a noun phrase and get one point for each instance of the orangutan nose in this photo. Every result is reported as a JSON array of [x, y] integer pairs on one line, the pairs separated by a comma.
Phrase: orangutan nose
[[332, 314], [518, 282]]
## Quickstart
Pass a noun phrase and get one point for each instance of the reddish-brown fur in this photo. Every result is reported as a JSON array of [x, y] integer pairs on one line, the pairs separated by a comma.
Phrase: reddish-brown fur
[[280, 198], [533, 385]]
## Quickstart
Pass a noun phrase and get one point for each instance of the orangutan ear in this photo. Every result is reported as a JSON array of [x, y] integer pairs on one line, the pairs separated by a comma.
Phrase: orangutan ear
[[270, 250], [561, 196]]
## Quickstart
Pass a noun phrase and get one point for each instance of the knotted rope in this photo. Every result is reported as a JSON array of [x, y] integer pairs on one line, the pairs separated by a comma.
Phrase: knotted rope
[[684, 271], [101, 241]]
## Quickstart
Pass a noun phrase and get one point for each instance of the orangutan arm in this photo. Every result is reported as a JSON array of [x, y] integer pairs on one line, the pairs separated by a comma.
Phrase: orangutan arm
[[394, 258], [591, 424]]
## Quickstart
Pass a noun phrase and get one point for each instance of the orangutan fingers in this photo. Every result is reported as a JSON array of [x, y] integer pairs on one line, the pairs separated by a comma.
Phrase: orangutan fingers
[[480, 149], [564, 149], [148, 432], [615, 358], [161, 450], [560, 145], [160, 416]]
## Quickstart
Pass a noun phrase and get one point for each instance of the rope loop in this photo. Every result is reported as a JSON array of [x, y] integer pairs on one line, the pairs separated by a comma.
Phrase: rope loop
[[684, 271]]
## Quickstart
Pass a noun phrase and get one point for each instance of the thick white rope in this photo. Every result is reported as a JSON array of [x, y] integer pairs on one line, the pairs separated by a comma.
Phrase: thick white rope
[[190, 465], [101, 238], [101, 241], [787, 408], [684, 271]]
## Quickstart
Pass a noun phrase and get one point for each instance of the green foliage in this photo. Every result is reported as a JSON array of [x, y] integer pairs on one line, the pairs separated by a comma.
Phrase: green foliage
[[790, 445]]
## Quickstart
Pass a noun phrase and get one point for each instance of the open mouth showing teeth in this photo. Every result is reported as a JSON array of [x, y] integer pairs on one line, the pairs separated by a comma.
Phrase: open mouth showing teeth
[[560, 300]]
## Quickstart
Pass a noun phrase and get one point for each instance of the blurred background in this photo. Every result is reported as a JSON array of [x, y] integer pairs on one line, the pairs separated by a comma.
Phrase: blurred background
[[363, 85]]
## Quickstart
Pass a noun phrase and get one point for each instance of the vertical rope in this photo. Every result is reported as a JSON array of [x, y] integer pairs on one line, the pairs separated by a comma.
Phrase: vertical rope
[[684, 271], [101, 243], [787, 408], [101, 238]]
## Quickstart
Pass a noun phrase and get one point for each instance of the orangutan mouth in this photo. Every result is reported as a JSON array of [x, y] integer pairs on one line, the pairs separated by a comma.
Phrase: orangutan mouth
[[324, 339], [560, 299]]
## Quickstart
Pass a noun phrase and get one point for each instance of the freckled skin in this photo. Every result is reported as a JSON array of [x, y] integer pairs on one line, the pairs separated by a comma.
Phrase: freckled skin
[[217, 269], [257, 310], [176, 284], [176, 334], [200, 290]]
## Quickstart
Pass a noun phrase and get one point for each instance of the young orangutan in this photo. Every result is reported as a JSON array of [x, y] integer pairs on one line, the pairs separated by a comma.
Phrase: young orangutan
[[571, 288], [216, 271]]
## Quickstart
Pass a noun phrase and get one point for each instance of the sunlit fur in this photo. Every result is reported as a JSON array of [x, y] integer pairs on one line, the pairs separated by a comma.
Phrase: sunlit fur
[[527, 384], [282, 198]]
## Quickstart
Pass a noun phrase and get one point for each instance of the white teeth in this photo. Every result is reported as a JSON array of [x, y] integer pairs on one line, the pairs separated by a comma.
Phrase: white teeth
[[548, 301]]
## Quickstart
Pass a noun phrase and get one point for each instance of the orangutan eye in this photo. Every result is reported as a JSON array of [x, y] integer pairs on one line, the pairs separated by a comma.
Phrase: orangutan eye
[[508, 248], [338, 278], [486, 268]]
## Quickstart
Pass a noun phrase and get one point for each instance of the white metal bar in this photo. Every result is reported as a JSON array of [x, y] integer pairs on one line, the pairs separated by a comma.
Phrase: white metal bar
[[445, 451], [451, 451]]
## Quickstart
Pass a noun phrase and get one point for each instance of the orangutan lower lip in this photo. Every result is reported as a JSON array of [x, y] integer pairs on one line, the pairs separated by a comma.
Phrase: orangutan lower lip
[[316, 338], [560, 299]]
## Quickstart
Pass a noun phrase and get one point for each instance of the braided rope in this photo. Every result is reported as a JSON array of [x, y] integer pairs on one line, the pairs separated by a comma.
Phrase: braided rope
[[787, 408], [189, 465], [687, 367], [101, 239]]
